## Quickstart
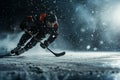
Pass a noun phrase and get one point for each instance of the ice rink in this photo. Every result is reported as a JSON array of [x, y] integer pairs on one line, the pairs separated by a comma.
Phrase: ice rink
[[72, 66]]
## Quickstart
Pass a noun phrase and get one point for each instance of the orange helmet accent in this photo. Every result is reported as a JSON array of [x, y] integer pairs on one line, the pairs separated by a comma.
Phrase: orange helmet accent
[[42, 17]]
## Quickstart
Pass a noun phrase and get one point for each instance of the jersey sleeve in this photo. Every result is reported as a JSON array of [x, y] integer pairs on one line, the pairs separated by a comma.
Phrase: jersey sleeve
[[54, 33]]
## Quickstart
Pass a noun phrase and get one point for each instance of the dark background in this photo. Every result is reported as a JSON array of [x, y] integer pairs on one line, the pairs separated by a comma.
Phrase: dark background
[[76, 31]]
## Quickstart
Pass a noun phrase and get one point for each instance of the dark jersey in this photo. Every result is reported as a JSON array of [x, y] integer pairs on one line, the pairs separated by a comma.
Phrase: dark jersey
[[38, 25]]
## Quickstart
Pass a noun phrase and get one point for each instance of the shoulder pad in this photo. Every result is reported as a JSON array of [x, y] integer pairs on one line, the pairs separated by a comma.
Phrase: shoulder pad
[[42, 17]]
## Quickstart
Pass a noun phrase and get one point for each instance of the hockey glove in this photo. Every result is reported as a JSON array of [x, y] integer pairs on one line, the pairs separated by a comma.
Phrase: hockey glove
[[44, 45]]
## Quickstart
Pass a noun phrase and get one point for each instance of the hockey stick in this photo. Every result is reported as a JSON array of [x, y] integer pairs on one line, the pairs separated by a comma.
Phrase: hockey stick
[[56, 54]]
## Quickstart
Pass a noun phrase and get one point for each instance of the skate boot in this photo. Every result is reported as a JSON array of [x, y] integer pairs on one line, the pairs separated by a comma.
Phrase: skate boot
[[20, 51], [15, 50]]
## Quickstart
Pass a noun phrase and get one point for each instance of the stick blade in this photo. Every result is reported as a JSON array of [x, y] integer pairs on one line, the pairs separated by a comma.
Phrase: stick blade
[[60, 54]]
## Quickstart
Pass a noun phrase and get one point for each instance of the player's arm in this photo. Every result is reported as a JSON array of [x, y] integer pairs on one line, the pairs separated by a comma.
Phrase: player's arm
[[52, 37]]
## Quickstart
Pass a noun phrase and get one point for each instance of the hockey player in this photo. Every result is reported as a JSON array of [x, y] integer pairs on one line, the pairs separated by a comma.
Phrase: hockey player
[[36, 28]]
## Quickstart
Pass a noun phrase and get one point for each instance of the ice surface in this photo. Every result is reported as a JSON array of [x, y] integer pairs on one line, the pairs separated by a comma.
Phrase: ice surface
[[42, 65]]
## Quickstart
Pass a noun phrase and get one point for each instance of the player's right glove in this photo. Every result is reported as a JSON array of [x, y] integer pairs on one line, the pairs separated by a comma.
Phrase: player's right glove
[[44, 45]]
